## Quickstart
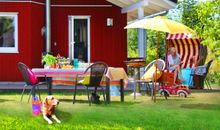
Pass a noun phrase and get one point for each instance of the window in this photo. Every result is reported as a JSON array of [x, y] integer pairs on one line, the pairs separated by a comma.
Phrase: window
[[8, 33]]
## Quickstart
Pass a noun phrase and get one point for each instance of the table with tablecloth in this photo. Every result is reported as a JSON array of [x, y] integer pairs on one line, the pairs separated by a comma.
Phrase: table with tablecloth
[[116, 76]]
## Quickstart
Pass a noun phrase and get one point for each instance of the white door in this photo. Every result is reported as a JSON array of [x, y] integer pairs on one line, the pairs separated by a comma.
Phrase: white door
[[79, 38]]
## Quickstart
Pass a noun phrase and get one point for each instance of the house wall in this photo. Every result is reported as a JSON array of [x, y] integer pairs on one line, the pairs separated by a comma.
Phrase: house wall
[[108, 44], [37, 40], [8, 66]]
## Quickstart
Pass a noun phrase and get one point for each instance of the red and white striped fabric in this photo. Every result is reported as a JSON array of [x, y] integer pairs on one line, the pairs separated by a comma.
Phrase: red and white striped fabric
[[186, 46]]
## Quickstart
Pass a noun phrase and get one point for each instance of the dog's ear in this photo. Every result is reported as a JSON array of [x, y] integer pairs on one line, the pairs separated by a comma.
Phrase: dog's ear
[[46, 101]]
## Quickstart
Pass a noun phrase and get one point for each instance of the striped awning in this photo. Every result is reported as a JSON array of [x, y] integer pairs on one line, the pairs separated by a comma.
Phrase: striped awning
[[180, 36], [186, 46]]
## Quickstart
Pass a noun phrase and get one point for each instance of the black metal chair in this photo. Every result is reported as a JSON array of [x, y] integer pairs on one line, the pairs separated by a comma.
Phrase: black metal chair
[[94, 74], [28, 77], [201, 76], [149, 89], [205, 76]]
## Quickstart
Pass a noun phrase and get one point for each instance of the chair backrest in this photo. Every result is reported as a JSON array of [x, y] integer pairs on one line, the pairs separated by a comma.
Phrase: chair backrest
[[97, 70], [28, 76], [160, 65], [207, 67]]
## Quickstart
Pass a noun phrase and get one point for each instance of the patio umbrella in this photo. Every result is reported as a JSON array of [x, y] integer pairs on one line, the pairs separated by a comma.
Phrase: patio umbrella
[[159, 24]]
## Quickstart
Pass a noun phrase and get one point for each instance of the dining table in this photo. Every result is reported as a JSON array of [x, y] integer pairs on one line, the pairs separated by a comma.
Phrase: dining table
[[116, 75]]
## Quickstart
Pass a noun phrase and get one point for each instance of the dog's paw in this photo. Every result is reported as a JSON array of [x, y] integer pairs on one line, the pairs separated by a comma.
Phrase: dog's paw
[[50, 122], [58, 121]]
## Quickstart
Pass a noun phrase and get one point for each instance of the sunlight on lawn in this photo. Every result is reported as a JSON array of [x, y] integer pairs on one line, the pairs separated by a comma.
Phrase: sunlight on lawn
[[198, 111]]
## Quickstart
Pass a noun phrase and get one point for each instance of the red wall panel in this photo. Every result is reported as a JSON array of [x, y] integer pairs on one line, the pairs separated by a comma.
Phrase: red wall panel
[[8, 67], [37, 40], [107, 44]]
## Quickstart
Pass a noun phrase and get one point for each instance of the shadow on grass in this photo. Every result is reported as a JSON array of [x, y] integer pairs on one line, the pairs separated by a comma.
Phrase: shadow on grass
[[63, 116], [71, 101], [124, 104], [111, 104], [174, 98], [5, 100], [201, 106]]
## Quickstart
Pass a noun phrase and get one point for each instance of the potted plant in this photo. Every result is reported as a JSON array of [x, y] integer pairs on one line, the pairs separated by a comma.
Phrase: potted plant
[[49, 60]]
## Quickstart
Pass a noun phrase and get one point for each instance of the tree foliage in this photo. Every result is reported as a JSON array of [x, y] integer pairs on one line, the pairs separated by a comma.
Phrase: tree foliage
[[132, 43], [209, 26], [151, 37], [188, 16], [204, 18]]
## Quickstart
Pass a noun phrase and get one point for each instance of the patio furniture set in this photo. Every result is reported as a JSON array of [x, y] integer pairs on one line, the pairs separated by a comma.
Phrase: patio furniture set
[[99, 74], [95, 76]]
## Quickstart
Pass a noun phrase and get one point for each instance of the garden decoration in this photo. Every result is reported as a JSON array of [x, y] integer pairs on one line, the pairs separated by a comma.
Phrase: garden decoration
[[159, 24], [36, 106], [181, 91]]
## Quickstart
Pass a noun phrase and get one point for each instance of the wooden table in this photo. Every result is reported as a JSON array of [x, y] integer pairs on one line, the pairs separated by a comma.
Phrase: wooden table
[[110, 75]]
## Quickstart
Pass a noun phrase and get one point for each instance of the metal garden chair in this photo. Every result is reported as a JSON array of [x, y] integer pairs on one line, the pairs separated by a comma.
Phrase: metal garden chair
[[160, 67], [92, 79], [30, 80], [203, 76]]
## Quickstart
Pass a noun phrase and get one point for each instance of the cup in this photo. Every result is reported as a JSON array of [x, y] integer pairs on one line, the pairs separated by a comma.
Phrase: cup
[[75, 63]]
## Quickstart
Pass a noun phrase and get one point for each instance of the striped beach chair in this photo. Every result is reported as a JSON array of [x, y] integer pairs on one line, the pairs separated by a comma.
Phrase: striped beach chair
[[187, 47]]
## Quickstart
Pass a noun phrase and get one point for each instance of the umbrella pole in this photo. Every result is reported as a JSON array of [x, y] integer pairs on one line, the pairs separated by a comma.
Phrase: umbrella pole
[[155, 83]]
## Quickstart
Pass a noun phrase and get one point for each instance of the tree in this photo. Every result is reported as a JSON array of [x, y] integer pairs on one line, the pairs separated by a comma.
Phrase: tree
[[132, 43], [188, 16], [151, 44], [209, 26], [204, 18]]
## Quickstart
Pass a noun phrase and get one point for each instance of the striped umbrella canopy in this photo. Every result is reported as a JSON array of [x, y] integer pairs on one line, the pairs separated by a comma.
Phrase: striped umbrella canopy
[[159, 24]]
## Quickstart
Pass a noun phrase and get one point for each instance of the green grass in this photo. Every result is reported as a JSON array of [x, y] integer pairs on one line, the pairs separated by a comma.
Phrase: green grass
[[200, 111], [215, 86]]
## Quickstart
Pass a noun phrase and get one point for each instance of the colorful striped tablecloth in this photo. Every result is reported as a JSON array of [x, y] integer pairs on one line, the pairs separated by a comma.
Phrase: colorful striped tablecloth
[[67, 76]]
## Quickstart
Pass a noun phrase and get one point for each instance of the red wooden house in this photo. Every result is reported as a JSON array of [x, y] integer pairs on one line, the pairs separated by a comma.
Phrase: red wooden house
[[91, 30]]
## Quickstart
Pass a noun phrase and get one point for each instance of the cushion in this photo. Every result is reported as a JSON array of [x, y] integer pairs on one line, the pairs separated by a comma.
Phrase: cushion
[[85, 81], [33, 78], [186, 74], [148, 75]]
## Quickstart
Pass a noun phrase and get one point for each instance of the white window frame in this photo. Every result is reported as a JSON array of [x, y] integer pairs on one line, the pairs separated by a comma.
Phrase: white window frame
[[15, 48]]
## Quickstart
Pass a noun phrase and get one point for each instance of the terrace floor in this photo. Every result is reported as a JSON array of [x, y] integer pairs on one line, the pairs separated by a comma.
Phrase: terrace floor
[[17, 86]]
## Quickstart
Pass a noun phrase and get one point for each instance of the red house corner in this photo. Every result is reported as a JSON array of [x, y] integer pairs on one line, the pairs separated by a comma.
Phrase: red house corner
[[85, 22]]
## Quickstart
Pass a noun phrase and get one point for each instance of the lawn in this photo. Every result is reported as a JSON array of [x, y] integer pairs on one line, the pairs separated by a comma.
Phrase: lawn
[[200, 111]]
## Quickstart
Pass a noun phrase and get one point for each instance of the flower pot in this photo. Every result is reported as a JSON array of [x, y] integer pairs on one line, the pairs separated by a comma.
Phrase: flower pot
[[46, 67], [53, 66]]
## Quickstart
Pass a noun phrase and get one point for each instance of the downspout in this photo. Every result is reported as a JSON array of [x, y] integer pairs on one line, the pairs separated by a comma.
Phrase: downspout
[[48, 27]]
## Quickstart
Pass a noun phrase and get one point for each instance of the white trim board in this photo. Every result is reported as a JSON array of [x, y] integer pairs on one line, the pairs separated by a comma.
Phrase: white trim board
[[81, 5], [22, 1], [53, 5]]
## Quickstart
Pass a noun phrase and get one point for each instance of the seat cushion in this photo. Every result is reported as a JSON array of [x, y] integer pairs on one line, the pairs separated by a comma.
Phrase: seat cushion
[[32, 76], [148, 75], [85, 81], [187, 76]]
